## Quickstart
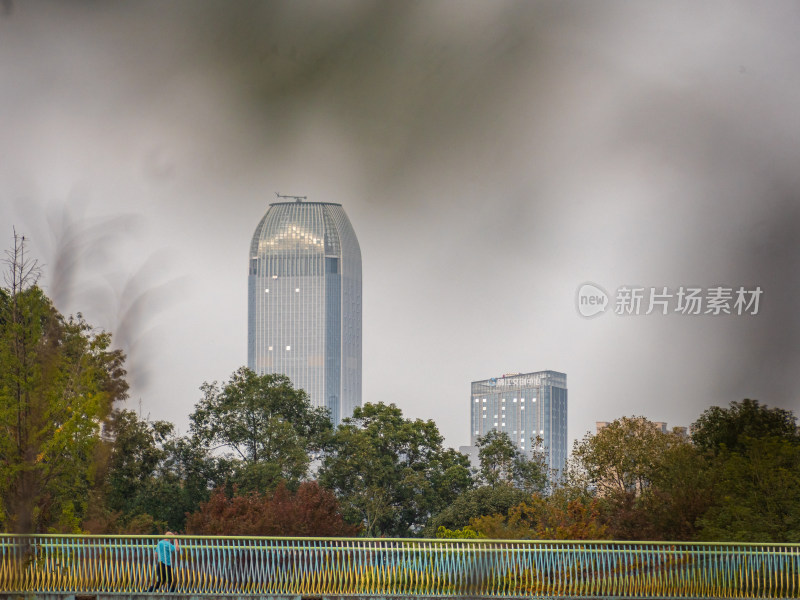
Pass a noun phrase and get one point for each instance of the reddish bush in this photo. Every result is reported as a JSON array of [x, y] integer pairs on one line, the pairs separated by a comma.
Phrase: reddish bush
[[311, 511]]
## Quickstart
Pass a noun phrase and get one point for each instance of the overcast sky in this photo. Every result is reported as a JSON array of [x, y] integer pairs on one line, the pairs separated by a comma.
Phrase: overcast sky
[[492, 157]]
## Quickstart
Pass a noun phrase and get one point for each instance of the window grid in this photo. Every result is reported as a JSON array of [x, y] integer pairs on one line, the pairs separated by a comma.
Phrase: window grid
[[307, 256]]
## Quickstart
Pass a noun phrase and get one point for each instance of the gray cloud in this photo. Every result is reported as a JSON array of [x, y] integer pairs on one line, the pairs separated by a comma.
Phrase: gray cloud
[[491, 156]]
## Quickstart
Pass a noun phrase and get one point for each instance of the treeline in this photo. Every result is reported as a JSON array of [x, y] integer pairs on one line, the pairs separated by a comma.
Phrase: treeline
[[259, 459], [736, 478]]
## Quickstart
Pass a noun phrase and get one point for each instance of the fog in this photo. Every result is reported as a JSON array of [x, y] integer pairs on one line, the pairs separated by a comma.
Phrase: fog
[[492, 157]]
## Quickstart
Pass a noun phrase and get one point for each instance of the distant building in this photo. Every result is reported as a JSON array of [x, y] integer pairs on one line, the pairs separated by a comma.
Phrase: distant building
[[531, 408], [472, 454], [304, 302]]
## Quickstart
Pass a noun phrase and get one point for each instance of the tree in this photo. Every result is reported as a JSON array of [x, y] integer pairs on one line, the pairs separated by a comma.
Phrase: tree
[[152, 478], [392, 474], [58, 381], [554, 517], [131, 451], [136, 450], [624, 456], [651, 484], [474, 503], [502, 463], [184, 480], [757, 492], [680, 492], [466, 533], [270, 428], [508, 478], [726, 427], [311, 511]]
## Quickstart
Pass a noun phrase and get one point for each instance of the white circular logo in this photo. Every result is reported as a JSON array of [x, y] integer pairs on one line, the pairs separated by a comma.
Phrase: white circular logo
[[592, 300]]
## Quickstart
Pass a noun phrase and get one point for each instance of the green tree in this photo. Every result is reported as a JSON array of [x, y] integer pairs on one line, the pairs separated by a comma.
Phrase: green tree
[[507, 477], [757, 493], [624, 456], [680, 492], [634, 469], [727, 427], [185, 479], [270, 428], [136, 450], [753, 455], [466, 533], [392, 474], [502, 463], [152, 477], [474, 503], [58, 381]]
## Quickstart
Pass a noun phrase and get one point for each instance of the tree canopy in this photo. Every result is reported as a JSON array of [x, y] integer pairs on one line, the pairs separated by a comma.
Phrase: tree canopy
[[58, 381], [474, 503], [554, 517], [150, 477], [757, 495], [502, 463], [310, 511], [624, 455], [727, 427], [270, 429], [392, 474]]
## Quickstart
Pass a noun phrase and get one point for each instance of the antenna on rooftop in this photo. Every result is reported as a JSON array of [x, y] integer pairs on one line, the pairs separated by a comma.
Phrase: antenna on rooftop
[[295, 198]]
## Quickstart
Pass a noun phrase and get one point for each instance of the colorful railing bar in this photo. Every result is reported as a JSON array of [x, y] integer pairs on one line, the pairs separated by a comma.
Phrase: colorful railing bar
[[368, 568]]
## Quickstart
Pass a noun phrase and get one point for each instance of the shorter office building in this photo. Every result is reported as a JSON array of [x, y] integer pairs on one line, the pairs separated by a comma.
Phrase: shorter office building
[[530, 407]]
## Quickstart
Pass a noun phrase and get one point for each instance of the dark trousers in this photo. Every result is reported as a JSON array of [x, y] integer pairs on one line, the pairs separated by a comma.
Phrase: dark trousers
[[163, 575]]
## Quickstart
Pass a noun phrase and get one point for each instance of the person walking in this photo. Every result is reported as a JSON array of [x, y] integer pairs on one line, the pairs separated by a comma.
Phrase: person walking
[[165, 549]]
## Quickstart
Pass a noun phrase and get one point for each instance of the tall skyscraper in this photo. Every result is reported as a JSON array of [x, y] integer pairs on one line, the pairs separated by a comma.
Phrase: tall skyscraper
[[526, 407], [304, 302]]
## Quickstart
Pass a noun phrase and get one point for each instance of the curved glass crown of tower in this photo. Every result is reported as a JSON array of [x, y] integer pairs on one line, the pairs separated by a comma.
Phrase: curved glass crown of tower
[[304, 302]]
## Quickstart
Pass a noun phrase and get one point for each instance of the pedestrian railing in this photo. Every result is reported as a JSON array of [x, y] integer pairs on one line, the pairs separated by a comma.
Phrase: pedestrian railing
[[317, 567]]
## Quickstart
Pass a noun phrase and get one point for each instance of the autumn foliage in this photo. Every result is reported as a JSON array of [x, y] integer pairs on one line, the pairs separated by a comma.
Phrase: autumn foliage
[[311, 511], [548, 518]]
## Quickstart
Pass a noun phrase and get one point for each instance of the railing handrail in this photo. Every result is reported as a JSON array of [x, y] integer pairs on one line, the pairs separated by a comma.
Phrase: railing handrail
[[683, 544]]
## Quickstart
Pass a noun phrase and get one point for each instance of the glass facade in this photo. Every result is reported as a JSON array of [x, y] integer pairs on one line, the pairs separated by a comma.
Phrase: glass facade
[[304, 302], [528, 407]]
